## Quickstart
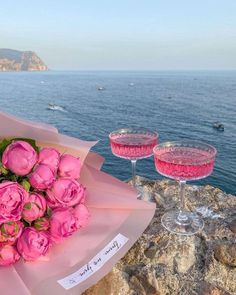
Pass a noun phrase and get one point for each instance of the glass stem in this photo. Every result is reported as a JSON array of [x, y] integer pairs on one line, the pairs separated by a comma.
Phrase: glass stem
[[133, 163], [182, 216]]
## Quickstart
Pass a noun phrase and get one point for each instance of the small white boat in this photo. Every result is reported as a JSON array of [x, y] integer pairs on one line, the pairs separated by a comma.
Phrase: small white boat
[[101, 88], [131, 84], [54, 107]]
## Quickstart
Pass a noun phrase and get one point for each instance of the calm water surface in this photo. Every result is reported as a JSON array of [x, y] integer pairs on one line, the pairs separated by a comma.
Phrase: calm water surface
[[176, 104]]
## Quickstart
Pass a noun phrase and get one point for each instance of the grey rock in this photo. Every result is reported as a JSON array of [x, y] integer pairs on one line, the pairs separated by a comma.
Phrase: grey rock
[[232, 226], [161, 263]]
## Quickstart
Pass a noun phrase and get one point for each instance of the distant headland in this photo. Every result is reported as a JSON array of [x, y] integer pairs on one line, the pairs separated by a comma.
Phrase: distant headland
[[15, 61]]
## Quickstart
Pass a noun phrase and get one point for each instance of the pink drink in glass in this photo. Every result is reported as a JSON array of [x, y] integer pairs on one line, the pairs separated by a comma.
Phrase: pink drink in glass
[[184, 160], [184, 163], [133, 146]]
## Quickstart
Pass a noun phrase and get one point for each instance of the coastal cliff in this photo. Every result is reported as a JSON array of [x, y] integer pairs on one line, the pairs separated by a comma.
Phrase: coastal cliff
[[161, 263], [15, 60]]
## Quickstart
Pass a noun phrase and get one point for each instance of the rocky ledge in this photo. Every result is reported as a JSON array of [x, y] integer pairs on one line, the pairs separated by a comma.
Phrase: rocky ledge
[[14, 60], [161, 263]]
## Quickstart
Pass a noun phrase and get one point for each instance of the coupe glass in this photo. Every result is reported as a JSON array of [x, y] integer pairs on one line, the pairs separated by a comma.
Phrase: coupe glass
[[133, 144], [184, 160]]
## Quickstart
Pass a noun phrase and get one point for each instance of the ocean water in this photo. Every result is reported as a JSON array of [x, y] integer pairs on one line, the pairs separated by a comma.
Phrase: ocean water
[[176, 104]]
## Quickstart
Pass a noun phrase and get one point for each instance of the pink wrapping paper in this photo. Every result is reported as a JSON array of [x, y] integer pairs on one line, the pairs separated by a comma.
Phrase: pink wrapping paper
[[114, 210]]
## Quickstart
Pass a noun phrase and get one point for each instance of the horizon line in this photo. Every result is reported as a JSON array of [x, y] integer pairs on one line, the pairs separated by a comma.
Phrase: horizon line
[[140, 70]]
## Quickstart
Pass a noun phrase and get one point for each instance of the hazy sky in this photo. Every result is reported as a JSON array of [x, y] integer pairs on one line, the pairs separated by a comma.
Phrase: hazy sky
[[123, 34]]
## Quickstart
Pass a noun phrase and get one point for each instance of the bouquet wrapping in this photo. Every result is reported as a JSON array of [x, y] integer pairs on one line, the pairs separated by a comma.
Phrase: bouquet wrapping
[[116, 220]]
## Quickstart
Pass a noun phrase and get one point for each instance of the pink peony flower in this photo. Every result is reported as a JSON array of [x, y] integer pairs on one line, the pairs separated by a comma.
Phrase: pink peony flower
[[34, 207], [69, 167], [62, 223], [42, 224], [12, 198], [32, 244], [8, 255], [19, 157], [42, 177], [65, 192], [49, 157], [82, 215], [10, 232]]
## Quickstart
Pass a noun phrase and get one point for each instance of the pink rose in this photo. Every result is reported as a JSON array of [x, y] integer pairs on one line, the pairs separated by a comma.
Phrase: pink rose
[[12, 198], [10, 232], [82, 215], [69, 167], [42, 177], [19, 157], [49, 157], [34, 207], [65, 193], [32, 244], [42, 224], [62, 223], [8, 255]]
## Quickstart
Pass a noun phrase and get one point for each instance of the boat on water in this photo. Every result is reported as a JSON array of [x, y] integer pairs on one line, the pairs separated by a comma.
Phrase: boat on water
[[218, 126], [54, 107], [101, 88]]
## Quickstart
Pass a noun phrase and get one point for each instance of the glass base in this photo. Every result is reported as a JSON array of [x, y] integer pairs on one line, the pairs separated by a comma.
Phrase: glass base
[[144, 194], [182, 223]]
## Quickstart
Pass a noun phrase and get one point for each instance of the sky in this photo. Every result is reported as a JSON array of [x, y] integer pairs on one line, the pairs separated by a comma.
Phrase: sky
[[123, 34]]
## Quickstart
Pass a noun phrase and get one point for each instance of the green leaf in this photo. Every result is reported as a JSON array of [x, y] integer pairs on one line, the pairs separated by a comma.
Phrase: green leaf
[[3, 170], [13, 178], [28, 206], [49, 212], [3, 145], [26, 185], [3, 230], [26, 223], [37, 226]]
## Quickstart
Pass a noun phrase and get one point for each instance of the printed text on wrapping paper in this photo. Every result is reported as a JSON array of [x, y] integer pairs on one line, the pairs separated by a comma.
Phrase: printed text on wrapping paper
[[95, 263]]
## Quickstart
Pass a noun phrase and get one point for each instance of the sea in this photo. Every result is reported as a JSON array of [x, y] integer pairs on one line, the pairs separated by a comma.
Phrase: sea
[[89, 105]]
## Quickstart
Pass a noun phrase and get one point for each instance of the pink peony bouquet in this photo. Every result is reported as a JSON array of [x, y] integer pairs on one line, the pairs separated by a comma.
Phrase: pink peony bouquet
[[41, 199]]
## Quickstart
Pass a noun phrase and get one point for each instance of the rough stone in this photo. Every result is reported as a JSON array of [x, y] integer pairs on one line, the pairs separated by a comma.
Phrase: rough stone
[[226, 254], [232, 226], [208, 289], [161, 263]]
